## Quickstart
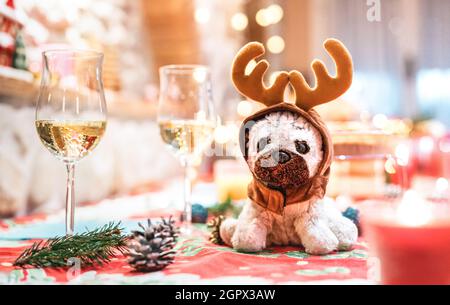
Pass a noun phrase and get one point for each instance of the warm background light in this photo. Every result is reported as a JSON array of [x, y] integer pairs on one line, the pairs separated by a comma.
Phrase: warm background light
[[202, 15], [275, 44], [244, 108], [270, 15], [221, 134], [275, 13], [262, 18], [239, 21]]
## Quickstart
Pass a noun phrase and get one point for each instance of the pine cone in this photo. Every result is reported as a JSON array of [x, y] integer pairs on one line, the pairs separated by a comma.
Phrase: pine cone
[[152, 248], [214, 225]]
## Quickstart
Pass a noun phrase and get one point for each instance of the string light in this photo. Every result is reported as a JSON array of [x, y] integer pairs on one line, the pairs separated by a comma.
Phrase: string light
[[275, 13], [270, 15], [239, 21], [275, 44], [244, 108], [262, 18]]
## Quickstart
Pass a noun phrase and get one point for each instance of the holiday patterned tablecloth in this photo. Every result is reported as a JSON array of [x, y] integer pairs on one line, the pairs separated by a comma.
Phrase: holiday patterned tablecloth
[[197, 262]]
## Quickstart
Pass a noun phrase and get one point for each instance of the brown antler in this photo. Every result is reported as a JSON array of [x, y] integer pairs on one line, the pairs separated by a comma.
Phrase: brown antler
[[252, 85], [327, 87]]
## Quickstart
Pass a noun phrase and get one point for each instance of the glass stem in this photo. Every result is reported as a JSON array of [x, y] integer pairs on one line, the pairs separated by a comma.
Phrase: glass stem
[[187, 211], [70, 198]]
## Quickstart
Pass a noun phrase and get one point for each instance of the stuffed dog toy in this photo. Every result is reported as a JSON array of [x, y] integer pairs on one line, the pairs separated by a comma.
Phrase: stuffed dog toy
[[289, 151]]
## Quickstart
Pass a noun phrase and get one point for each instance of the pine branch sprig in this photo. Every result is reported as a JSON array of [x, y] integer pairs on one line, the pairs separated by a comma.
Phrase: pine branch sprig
[[94, 247]]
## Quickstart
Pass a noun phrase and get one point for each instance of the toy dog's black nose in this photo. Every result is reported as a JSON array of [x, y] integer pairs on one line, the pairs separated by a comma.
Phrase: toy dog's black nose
[[283, 157]]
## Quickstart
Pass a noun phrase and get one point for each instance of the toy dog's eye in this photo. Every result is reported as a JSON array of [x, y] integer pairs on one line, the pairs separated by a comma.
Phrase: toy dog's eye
[[302, 147], [262, 143]]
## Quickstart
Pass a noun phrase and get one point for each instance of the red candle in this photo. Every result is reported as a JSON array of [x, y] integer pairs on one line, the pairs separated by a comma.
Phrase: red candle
[[411, 240]]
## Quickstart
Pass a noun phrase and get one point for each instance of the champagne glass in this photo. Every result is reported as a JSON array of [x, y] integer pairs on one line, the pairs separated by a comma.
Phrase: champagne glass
[[71, 111], [186, 120]]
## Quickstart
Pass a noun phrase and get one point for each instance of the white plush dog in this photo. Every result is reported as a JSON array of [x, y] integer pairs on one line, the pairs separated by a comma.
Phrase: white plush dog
[[315, 224], [289, 151]]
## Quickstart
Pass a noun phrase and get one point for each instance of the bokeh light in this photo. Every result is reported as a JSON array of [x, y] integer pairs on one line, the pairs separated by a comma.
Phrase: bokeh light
[[262, 18], [239, 21], [270, 15], [275, 44], [202, 15], [244, 108], [275, 13]]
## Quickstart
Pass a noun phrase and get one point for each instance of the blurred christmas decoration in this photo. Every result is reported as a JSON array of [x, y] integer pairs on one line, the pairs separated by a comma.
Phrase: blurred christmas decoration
[[269, 15], [353, 215], [214, 226], [199, 213], [239, 21], [151, 248], [102, 25], [275, 44], [10, 26], [226, 208], [20, 56], [369, 152], [360, 155]]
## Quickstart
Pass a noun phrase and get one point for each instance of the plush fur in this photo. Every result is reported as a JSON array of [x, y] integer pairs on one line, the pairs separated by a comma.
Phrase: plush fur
[[316, 225], [283, 128]]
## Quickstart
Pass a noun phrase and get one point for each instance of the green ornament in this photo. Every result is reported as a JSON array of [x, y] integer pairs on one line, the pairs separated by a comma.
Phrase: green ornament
[[19, 56]]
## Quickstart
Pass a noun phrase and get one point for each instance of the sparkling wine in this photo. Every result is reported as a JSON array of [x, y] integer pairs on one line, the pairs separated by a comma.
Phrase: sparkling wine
[[70, 140], [187, 138]]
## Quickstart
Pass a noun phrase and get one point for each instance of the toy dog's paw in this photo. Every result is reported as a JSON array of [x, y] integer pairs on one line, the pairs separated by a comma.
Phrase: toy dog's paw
[[345, 231], [322, 236], [251, 239], [318, 239], [227, 229], [324, 229]]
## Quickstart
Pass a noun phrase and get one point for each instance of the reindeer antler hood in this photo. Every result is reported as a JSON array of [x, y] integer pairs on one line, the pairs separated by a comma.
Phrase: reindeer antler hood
[[327, 88]]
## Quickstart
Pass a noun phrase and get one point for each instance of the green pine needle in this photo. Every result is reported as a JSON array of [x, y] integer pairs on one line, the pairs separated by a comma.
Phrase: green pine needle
[[94, 247]]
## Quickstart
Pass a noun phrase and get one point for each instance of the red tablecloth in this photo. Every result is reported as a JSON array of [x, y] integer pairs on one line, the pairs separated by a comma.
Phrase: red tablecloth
[[197, 262]]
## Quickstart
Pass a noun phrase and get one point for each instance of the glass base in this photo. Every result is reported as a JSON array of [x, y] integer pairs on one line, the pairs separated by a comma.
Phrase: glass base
[[186, 224], [185, 229]]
